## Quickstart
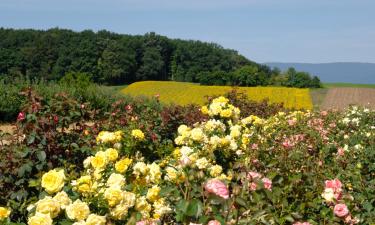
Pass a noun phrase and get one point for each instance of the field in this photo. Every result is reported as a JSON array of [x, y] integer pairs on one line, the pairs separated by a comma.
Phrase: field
[[333, 85], [339, 98], [187, 93]]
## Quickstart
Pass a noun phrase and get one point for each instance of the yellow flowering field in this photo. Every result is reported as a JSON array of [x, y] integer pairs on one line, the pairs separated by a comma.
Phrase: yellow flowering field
[[183, 93]]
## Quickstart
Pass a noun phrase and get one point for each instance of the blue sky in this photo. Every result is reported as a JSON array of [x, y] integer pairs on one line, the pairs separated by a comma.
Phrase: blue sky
[[262, 30]]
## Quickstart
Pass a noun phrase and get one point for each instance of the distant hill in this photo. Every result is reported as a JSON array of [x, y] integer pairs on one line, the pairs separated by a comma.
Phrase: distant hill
[[345, 72]]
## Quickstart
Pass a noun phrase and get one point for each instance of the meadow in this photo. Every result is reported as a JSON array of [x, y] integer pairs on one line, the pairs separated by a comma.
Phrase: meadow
[[183, 93]]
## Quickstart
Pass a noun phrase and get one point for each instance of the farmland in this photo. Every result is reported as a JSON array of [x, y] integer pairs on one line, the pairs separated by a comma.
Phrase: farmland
[[188, 93]]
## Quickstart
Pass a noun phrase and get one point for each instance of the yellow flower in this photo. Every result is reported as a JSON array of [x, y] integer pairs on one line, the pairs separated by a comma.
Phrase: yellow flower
[[94, 219], [171, 174], [112, 154], [40, 219], [84, 184], [119, 212], [153, 193], [215, 170], [154, 173], [140, 168], [226, 113], [204, 110], [63, 199], [202, 163], [143, 207], [99, 161], [78, 210], [53, 181], [116, 179], [176, 153], [113, 195], [183, 129], [4, 213], [138, 134], [160, 208], [197, 134], [49, 206], [122, 165]]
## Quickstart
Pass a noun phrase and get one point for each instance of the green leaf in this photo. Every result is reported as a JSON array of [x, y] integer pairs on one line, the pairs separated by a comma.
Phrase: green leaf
[[41, 155]]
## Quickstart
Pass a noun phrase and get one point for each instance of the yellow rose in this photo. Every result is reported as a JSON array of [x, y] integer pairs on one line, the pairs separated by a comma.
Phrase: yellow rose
[[49, 206], [122, 165], [113, 195], [204, 110], [154, 173], [153, 193], [112, 154], [138, 134], [215, 170], [84, 184], [202, 163], [116, 180], [94, 219], [220, 99], [78, 210], [143, 207], [99, 161], [40, 219], [160, 208], [129, 199], [63, 199], [226, 113], [197, 134], [53, 181], [119, 212], [4, 213]]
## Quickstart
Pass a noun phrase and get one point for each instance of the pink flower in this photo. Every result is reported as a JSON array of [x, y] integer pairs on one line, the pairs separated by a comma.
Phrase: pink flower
[[288, 143], [214, 222], [253, 186], [128, 107], [292, 122], [341, 210], [184, 161], [267, 183], [334, 184], [324, 113], [21, 116], [304, 223], [195, 223], [218, 188], [146, 222], [340, 152], [254, 146], [253, 175]]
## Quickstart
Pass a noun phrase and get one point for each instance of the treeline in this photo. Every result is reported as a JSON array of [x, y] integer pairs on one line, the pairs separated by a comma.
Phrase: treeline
[[111, 58]]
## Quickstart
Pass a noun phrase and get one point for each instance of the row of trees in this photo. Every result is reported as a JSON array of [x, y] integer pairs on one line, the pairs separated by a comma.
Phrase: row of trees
[[112, 58], [252, 76]]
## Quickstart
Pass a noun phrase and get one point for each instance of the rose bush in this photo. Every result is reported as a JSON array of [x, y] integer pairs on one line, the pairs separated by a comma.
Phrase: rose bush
[[291, 168]]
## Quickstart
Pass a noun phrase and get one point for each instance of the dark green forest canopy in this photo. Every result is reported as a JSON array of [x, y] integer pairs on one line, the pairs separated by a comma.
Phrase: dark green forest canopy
[[112, 58]]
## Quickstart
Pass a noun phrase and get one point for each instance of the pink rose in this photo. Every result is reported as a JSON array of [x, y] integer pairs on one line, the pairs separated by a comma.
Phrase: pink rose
[[324, 113], [21, 116], [253, 175], [292, 122], [253, 186], [184, 161], [340, 152], [146, 222], [214, 222], [341, 210], [254, 146], [304, 223], [334, 184], [195, 223], [218, 188], [267, 183]]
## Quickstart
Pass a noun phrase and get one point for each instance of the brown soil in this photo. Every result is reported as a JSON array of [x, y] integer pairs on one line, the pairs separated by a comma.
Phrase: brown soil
[[341, 98]]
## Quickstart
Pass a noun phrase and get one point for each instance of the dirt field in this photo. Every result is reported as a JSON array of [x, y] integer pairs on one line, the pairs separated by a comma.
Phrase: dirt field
[[340, 98]]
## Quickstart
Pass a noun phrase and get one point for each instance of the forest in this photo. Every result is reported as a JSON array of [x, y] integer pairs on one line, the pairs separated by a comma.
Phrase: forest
[[116, 59]]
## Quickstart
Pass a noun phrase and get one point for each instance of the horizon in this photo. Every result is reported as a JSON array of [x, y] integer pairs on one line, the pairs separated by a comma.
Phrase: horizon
[[263, 31]]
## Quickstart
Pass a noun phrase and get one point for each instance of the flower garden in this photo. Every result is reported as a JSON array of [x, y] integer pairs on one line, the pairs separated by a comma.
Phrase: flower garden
[[292, 167]]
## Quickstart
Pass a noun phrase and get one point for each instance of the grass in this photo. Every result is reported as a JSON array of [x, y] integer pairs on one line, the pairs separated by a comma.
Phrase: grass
[[332, 85], [183, 93]]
